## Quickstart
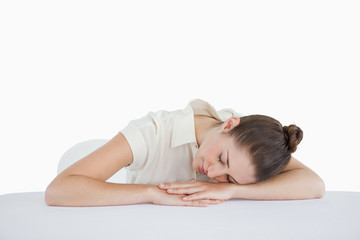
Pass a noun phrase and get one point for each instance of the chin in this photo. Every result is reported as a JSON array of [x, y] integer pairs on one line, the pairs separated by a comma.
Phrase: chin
[[196, 166]]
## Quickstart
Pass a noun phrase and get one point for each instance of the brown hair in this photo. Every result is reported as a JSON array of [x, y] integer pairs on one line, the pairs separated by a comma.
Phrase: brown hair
[[269, 143]]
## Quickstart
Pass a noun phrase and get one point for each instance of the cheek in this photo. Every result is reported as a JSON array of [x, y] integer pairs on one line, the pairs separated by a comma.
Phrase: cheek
[[211, 152], [209, 149]]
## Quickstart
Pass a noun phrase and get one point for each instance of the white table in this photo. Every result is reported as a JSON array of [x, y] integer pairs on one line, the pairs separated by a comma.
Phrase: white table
[[335, 216]]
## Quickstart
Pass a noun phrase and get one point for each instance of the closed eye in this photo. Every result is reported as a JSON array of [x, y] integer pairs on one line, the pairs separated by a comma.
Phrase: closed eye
[[227, 175], [219, 158]]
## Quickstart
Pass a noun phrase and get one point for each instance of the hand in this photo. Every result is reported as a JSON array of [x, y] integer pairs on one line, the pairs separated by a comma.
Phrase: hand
[[161, 197], [199, 190]]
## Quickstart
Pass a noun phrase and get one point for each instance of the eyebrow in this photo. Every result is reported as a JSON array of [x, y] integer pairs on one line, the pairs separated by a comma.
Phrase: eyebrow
[[229, 166]]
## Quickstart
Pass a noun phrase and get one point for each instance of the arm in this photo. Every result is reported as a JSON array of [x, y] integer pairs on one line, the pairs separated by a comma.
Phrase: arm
[[84, 182], [296, 181]]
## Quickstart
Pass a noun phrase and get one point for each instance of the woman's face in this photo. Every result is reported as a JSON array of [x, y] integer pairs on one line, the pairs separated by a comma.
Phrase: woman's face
[[219, 158]]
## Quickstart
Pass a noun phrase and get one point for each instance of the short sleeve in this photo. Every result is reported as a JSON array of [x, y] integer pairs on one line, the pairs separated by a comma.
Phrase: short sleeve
[[135, 137]]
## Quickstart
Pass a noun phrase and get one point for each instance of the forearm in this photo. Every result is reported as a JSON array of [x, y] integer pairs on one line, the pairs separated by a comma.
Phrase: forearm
[[79, 190], [295, 184]]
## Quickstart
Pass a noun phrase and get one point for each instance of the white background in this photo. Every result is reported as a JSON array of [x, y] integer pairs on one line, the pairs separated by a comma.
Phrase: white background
[[72, 71]]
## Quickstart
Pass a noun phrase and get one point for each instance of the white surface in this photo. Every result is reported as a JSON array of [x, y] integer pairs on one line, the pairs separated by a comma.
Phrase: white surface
[[77, 70], [336, 216]]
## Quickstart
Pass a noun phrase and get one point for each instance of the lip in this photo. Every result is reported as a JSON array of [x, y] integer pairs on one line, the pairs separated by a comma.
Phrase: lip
[[202, 168]]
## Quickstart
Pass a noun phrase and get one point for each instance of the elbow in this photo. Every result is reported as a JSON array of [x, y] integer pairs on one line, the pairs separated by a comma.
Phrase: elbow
[[320, 189], [50, 196], [61, 192], [53, 193]]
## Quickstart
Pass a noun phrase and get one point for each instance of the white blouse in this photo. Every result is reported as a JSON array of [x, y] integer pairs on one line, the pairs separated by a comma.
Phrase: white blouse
[[164, 144]]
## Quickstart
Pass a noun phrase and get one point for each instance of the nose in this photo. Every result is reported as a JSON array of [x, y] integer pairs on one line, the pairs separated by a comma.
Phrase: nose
[[214, 171]]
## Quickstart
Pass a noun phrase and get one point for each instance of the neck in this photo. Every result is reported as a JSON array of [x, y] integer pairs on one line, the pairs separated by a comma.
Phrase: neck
[[203, 126]]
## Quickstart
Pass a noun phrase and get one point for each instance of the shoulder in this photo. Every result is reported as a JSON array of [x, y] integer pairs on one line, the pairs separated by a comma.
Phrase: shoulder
[[293, 164]]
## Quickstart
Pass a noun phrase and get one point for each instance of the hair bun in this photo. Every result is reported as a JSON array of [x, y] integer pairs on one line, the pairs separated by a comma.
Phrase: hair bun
[[293, 136]]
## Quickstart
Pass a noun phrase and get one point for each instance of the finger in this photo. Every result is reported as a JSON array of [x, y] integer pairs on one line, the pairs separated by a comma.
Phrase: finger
[[213, 201], [197, 203], [178, 184], [185, 190], [202, 203], [197, 196]]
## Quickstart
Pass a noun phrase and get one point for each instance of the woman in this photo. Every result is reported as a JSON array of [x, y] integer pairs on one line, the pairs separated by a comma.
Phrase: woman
[[193, 157]]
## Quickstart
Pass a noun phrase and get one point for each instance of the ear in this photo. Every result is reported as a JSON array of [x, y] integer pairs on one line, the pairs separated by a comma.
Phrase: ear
[[230, 124]]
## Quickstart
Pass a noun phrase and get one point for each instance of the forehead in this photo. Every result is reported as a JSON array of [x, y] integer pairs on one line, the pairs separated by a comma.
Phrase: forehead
[[241, 166]]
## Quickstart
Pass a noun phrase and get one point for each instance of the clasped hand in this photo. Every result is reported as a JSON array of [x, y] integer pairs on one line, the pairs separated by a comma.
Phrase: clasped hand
[[195, 193]]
